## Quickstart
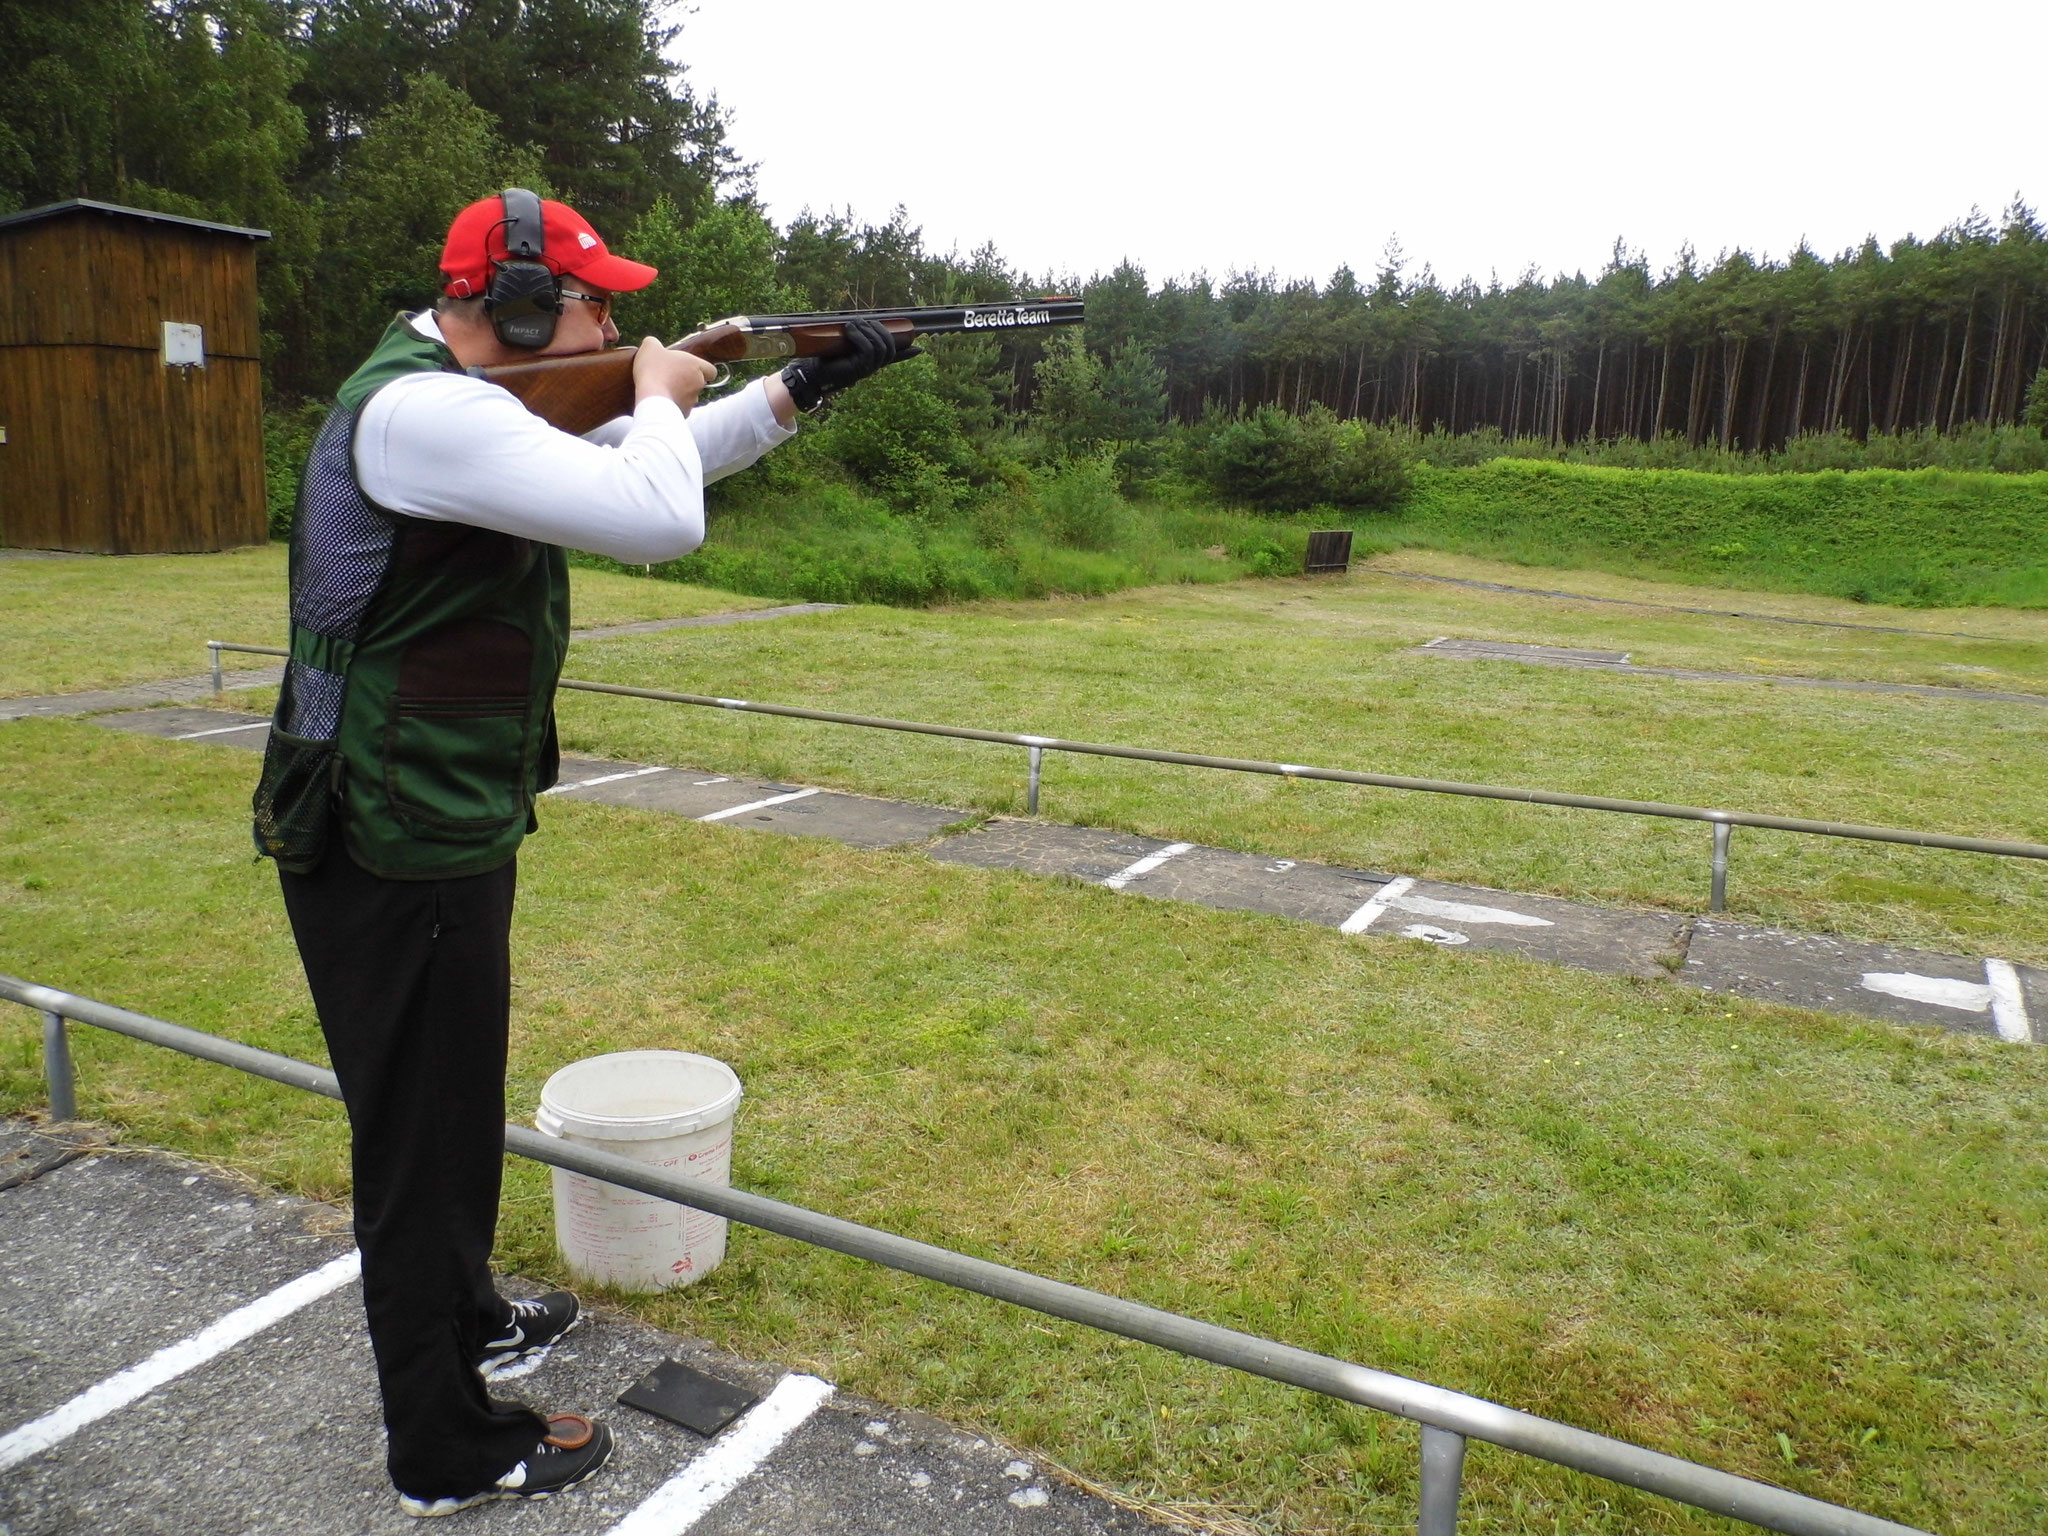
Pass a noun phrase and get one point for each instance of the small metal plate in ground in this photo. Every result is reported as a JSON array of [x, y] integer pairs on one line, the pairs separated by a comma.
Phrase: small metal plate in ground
[[684, 1395], [1910, 986], [1507, 650], [215, 727]]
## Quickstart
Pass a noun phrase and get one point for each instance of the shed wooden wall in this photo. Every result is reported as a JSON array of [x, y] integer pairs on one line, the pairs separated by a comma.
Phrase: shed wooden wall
[[107, 449]]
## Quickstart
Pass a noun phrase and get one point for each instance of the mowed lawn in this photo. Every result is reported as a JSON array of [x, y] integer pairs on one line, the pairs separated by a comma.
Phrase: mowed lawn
[[1324, 673], [88, 622], [1797, 1246]]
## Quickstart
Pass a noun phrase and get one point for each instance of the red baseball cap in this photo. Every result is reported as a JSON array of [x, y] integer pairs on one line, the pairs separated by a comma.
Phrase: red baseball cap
[[571, 249]]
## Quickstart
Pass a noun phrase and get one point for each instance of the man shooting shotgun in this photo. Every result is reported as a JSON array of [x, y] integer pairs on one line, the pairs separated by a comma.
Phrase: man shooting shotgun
[[580, 393], [414, 731]]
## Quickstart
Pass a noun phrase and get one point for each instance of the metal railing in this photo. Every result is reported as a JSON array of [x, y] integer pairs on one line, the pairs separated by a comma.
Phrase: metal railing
[[1448, 1419], [1723, 822]]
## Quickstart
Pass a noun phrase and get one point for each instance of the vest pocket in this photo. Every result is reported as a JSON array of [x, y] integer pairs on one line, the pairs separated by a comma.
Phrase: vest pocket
[[454, 773], [294, 801], [455, 740]]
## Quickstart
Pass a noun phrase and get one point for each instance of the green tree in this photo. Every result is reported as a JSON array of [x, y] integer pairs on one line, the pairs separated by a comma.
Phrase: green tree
[[421, 160], [720, 263], [1067, 396], [2037, 402]]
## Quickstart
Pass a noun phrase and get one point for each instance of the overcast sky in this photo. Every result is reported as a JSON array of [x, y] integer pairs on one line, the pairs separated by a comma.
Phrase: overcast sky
[[1287, 136]]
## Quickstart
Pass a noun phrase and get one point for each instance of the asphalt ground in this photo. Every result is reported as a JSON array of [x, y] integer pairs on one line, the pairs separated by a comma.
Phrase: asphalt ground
[[129, 1406], [1970, 994]]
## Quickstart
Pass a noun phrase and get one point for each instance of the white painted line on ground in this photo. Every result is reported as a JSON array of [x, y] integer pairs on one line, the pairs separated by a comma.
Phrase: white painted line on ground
[[1146, 865], [1940, 991], [1429, 933], [2008, 1001], [755, 805], [609, 778], [734, 1456], [174, 1360], [700, 783], [1382, 899], [1465, 912], [224, 730]]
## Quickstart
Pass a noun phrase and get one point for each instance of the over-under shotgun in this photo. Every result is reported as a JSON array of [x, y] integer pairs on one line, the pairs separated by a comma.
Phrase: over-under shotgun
[[585, 391]]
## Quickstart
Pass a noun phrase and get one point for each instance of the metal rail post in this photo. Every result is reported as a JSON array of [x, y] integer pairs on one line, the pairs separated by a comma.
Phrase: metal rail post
[[213, 649], [57, 1070], [1443, 1473], [1719, 897], [1037, 767]]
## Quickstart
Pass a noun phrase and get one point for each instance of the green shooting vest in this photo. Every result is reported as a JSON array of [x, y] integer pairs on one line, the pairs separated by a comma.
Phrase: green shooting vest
[[416, 716]]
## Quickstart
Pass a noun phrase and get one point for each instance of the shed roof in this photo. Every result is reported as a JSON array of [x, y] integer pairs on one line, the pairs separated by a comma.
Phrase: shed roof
[[150, 215]]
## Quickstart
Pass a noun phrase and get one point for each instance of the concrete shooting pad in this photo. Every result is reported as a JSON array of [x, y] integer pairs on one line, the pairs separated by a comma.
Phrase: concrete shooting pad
[[118, 1254], [757, 805], [1959, 992], [1357, 901], [1908, 986]]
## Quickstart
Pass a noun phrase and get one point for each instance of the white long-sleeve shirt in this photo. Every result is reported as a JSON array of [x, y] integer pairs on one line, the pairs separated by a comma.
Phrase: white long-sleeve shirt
[[455, 449]]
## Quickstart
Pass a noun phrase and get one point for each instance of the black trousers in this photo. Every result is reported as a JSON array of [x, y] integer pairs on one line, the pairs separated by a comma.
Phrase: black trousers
[[412, 980]]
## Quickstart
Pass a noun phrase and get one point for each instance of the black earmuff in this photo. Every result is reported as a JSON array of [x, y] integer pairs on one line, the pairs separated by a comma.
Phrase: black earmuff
[[524, 298]]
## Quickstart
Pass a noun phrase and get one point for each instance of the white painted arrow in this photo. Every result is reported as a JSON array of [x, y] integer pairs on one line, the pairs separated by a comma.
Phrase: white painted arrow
[[1465, 912]]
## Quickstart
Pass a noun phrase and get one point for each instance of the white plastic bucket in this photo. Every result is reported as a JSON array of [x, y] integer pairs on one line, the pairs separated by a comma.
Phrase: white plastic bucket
[[671, 1109]]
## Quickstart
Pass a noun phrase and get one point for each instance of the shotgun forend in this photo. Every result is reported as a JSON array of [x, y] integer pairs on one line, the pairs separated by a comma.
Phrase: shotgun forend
[[584, 391]]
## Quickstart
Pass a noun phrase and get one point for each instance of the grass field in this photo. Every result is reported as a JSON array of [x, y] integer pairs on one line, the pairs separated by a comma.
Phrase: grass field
[[1321, 673], [1698, 1223], [1927, 537], [98, 622]]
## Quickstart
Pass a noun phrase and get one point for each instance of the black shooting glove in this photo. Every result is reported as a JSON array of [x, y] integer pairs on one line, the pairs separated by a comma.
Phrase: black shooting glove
[[869, 349]]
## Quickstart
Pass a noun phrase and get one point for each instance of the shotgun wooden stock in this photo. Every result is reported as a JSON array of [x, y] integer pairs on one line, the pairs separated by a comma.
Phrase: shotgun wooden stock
[[585, 391]]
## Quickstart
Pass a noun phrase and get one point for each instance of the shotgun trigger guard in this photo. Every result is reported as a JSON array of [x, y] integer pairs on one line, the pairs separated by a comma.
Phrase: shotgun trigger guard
[[719, 379]]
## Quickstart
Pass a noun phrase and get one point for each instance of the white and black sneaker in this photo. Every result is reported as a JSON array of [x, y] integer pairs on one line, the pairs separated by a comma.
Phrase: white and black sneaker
[[533, 1327], [574, 1448]]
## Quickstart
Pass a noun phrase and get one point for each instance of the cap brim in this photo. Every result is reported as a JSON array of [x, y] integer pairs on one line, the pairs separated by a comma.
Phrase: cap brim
[[614, 273]]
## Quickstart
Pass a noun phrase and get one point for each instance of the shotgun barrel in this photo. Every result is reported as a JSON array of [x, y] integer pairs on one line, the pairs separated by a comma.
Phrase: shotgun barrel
[[581, 392]]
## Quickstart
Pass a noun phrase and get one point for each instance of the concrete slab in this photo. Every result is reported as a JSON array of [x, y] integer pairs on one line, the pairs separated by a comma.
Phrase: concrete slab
[[140, 696], [1250, 882], [1617, 942], [1909, 986], [1539, 927], [217, 727], [863, 1469], [110, 1258], [760, 805], [282, 1434], [1047, 848]]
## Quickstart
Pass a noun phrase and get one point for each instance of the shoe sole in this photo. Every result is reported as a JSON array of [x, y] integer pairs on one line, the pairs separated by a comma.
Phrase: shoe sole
[[421, 1509]]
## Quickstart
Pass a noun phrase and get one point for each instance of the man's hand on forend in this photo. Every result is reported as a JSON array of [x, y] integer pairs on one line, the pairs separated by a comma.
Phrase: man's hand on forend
[[869, 349]]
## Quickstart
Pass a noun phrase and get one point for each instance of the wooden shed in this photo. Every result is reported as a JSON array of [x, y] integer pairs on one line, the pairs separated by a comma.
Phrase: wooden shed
[[131, 406]]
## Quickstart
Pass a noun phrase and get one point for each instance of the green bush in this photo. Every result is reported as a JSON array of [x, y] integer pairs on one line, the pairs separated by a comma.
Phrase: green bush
[[288, 434], [1079, 502], [899, 434], [1273, 459]]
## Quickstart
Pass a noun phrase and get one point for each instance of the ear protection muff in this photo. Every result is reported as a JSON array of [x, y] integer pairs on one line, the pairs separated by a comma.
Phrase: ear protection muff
[[524, 298]]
